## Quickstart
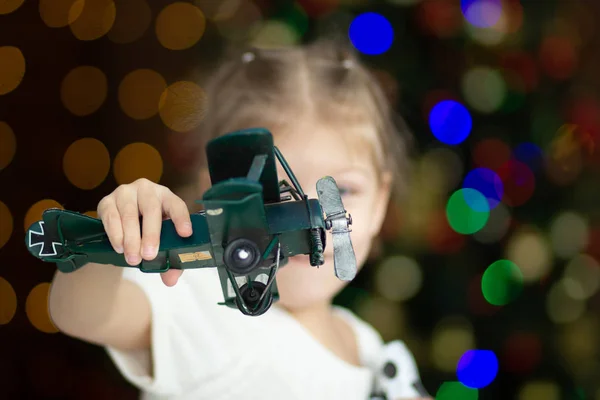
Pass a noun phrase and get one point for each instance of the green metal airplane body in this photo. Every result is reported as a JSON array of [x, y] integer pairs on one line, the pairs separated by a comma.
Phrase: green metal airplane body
[[248, 229]]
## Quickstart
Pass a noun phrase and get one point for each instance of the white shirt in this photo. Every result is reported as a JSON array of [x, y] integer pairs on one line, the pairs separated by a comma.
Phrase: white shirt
[[202, 350]]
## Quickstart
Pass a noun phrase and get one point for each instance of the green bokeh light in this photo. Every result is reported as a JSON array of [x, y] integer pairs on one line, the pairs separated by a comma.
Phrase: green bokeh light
[[456, 391], [467, 211], [502, 282]]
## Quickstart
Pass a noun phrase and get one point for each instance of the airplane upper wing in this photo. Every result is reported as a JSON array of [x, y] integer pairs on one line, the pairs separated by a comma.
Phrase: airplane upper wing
[[234, 156]]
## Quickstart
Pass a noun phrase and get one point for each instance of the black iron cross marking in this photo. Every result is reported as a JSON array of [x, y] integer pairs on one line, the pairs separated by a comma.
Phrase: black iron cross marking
[[47, 246]]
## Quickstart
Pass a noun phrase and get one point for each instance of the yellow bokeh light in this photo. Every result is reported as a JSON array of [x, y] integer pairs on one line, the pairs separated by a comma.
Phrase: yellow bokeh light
[[398, 278], [452, 337], [8, 145], [218, 10], [60, 13], [582, 277], [12, 68], [36, 307], [180, 25], [569, 233], [135, 161], [35, 212], [578, 342], [484, 89], [273, 34], [8, 302], [8, 6], [6, 224], [182, 106], [93, 214], [92, 19], [86, 163], [561, 307], [84, 90], [540, 391], [140, 92], [531, 252], [236, 21], [385, 316], [133, 19]]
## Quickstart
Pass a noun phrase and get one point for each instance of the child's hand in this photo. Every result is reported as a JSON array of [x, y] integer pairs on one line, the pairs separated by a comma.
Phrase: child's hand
[[120, 211]]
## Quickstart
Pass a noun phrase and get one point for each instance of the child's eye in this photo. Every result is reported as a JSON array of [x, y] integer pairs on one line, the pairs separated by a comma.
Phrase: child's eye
[[346, 191]]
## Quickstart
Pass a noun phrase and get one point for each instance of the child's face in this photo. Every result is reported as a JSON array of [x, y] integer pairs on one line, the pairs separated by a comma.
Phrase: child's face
[[313, 152]]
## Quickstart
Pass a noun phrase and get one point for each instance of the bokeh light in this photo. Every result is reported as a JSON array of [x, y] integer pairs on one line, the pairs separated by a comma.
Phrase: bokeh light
[[450, 122], [12, 68], [491, 153], [37, 310], [440, 18], [182, 106], [520, 70], [84, 90], [569, 234], [540, 390], [371, 33], [8, 6], [496, 227], [386, 316], [135, 161], [522, 352], [132, 21], [579, 347], [558, 57], [502, 282], [91, 19], [582, 277], [274, 34], [140, 92], [86, 163], [484, 89], [318, 8], [6, 224], [237, 21], [452, 337], [486, 182], [529, 154], [442, 169], [8, 302], [8, 145], [35, 212], [561, 307], [180, 26], [456, 391], [463, 211], [477, 368], [481, 13], [398, 278], [519, 182], [60, 13], [531, 252]]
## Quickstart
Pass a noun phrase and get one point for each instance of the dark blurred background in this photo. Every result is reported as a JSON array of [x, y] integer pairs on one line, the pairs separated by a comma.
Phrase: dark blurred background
[[92, 95]]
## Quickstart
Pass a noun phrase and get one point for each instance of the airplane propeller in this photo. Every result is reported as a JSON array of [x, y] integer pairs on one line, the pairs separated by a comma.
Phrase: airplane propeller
[[337, 221]]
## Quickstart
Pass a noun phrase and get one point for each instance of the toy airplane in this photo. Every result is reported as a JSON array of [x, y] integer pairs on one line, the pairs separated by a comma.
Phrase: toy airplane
[[251, 224]]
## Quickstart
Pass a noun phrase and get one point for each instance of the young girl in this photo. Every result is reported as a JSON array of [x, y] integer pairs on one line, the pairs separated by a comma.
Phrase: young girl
[[168, 336]]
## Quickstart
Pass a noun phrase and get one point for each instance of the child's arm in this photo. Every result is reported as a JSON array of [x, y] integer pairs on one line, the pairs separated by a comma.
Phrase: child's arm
[[94, 303]]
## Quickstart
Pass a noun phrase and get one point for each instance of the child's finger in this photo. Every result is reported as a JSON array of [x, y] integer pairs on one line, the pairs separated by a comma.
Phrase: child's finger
[[151, 211], [176, 209], [127, 204], [108, 213], [171, 277]]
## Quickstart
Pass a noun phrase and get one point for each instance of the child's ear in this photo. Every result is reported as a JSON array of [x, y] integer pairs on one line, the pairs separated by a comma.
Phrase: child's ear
[[380, 204]]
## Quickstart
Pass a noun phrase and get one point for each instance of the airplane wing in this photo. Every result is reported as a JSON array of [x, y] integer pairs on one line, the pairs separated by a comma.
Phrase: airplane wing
[[246, 153], [71, 240]]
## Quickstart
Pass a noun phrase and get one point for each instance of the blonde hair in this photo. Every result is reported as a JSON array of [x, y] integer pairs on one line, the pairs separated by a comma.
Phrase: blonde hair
[[323, 80]]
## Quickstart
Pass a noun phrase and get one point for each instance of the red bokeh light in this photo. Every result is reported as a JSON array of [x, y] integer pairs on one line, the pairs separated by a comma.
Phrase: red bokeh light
[[441, 18], [491, 153], [520, 70], [441, 237], [522, 353], [318, 8], [519, 182], [558, 57]]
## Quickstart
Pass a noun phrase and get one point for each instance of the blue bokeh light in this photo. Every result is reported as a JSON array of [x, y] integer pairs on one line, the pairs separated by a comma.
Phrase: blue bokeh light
[[481, 13], [371, 33], [529, 154], [450, 122], [486, 182], [477, 368]]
